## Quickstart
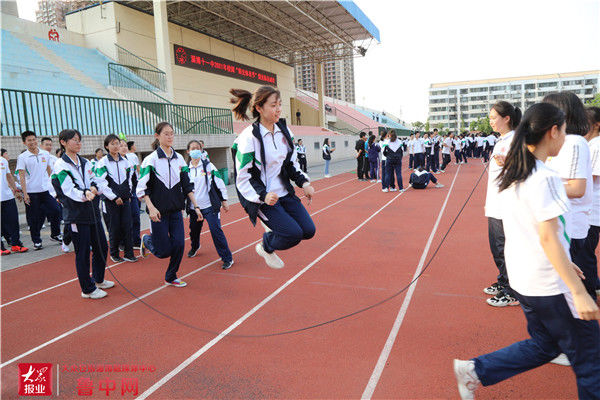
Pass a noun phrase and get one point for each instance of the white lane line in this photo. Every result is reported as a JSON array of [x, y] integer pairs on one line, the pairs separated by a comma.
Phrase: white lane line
[[108, 313], [114, 265], [387, 348], [237, 323]]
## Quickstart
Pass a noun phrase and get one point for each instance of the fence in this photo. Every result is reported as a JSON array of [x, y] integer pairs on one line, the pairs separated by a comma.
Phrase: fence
[[141, 68], [49, 113]]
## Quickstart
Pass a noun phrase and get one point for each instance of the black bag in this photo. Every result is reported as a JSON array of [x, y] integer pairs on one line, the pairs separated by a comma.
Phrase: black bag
[[326, 154]]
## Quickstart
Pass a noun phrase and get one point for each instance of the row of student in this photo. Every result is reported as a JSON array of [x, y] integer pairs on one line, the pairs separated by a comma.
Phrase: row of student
[[265, 161], [543, 209]]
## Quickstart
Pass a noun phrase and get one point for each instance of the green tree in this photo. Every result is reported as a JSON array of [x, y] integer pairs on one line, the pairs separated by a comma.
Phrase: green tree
[[418, 125], [482, 125], [595, 102], [427, 126]]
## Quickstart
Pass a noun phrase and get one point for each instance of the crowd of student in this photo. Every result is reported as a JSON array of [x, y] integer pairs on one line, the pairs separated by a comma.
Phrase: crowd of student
[[542, 205]]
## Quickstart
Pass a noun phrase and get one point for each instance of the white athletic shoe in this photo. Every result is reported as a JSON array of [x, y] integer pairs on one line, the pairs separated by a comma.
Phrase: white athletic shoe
[[378, 180], [327, 176], [561, 360], [466, 378], [65, 248], [271, 259], [373, 181], [105, 284], [439, 185], [96, 294], [393, 190], [384, 190], [267, 229]]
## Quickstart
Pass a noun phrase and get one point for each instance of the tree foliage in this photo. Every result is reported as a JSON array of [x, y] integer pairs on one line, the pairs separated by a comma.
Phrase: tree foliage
[[482, 125]]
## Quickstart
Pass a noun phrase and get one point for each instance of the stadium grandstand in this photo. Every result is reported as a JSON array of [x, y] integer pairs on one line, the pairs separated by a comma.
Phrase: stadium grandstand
[[120, 67]]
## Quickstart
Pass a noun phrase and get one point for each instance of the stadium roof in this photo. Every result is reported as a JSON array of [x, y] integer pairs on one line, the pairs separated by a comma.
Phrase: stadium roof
[[288, 31]]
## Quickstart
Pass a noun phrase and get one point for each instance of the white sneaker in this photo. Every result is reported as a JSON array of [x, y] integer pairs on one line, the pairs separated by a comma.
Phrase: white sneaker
[[378, 180], [327, 176], [65, 248], [561, 360], [267, 229], [439, 185], [96, 294], [373, 181], [105, 284], [272, 259], [393, 190], [384, 190], [466, 378]]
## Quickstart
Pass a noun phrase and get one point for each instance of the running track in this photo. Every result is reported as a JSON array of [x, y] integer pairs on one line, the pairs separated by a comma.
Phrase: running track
[[368, 245]]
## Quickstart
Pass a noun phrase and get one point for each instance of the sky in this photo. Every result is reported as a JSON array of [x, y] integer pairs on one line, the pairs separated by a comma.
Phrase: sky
[[433, 41]]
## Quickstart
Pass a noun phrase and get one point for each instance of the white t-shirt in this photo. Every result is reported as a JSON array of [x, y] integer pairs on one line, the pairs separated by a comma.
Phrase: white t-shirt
[[457, 145], [276, 149], [493, 206], [594, 145], [5, 192], [385, 142], [491, 139], [479, 140], [541, 197], [573, 162], [35, 167], [419, 146], [447, 142]]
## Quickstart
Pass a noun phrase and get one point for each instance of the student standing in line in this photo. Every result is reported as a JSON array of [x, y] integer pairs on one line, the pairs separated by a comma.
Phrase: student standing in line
[[419, 151], [573, 165], [211, 195], [301, 150], [457, 149], [360, 156], [76, 189], [393, 154], [374, 150], [446, 149], [411, 151], [265, 163], [9, 215], [479, 145], [593, 138], [164, 184], [560, 313], [134, 202], [367, 164], [436, 151], [464, 144], [327, 150], [428, 144], [504, 118], [98, 154], [113, 176], [34, 169], [385, 184]]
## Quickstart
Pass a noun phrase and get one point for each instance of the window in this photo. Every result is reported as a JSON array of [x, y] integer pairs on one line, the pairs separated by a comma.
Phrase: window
[[345, 143], [530, 86], [317, 147], [333, 144]]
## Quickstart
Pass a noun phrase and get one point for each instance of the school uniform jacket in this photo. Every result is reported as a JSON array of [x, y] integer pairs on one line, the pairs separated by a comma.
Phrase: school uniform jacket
[[209, 188], [114, 177], [250, 172], [391, 154], [165, 180], [71, 182]]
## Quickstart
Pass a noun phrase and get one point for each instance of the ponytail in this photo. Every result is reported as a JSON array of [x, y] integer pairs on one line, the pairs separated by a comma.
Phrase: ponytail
[[241, 98], [520, 162], [505, 109]]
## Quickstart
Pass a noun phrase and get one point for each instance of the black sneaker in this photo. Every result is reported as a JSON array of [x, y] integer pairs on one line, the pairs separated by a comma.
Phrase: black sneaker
[[502, 300], [37, 246], [130, 259], [56, 238], [121, 247], [227, 265], [116, 259], [193, 252], [493, 289]]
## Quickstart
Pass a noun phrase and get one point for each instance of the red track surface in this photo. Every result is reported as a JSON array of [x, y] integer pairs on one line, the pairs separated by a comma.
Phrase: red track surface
[[447, 317]]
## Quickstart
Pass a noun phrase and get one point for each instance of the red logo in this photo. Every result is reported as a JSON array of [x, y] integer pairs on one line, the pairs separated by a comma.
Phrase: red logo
[[53, 35], [181, 55], [35, 379]]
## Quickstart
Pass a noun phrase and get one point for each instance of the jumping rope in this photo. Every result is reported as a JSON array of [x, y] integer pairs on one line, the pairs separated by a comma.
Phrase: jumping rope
[[306, 328]]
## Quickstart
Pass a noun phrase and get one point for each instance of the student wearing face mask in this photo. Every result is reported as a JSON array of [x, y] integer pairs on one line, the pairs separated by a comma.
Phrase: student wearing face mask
[[211, 194]]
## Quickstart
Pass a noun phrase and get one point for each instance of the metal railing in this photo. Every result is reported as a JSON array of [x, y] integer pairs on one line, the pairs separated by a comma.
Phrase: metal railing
[[142, 68], [49, 113], [130, 86]]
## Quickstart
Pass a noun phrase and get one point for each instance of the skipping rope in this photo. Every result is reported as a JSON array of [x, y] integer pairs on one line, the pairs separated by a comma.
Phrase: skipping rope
[[309, 327]]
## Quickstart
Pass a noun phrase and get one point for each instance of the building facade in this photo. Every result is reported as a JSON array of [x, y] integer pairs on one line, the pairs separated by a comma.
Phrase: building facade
[[338, 78], [455, 105], [52, 12]]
